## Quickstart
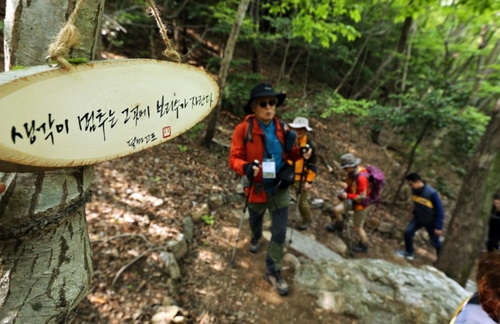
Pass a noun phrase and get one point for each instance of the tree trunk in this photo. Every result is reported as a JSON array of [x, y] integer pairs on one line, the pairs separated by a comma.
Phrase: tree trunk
[[410, 162], [281, 72], [224, 68], [353, 66], [255, 50], [467, 228], [46, 260], [399, 49]]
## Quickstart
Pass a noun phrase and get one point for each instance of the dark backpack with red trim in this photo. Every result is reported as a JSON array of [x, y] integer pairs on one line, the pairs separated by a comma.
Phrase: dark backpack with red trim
[[376, 178]]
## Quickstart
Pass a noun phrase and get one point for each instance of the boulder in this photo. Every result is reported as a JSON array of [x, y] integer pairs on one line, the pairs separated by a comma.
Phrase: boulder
[[188, 228], [385, 228], [372, 223], [171, 264], [203, 209], [292, 259], [178, 246], [316, 203], [239, 212], [379, 292], [215, 201], [165, 315], [306, 246], [398, 234]]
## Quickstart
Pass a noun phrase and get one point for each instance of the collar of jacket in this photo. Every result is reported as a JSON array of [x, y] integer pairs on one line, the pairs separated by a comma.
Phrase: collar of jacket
[[256, 129]]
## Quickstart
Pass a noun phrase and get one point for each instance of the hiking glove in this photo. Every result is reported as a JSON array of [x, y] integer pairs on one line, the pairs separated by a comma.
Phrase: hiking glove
[[306, 152], [248, 168]]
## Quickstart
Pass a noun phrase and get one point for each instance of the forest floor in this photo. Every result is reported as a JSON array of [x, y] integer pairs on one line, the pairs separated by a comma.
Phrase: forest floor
[[139, 203]]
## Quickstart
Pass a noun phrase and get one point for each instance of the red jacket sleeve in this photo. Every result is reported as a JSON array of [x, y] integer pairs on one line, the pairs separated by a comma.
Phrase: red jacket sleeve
[[237, 153], [363, 186], [295, 154]]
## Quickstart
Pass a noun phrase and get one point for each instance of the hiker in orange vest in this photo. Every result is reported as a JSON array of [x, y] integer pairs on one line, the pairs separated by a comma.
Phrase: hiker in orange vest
[[358, 188], [305, 171], [263, 137], [2, 187]]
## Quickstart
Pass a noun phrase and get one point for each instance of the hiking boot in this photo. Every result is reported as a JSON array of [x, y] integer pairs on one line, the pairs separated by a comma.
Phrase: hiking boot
[[254, 245], [362, 248], [278, 283], [404, 254], [335, 227], [304, 226]]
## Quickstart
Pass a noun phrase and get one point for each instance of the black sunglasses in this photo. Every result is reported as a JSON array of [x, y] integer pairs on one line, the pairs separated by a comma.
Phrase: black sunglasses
[[263, 104]]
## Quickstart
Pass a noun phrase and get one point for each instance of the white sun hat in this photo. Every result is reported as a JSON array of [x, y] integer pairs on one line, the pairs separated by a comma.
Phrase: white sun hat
[[300, 122]]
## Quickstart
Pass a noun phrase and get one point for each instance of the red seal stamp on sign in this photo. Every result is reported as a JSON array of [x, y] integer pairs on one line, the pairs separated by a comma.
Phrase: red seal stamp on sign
[[167, 132]]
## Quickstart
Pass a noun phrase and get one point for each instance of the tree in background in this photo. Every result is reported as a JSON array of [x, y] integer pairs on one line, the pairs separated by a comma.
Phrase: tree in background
[[467, 228], [224, 68], [46, 259]]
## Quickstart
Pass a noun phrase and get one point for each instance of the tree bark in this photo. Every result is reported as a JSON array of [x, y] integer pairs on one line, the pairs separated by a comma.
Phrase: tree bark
[[224, 68], [281, 72], [46, 260], [399, 49], [353, 66], [467, 228], [255, 50], [410, 162]]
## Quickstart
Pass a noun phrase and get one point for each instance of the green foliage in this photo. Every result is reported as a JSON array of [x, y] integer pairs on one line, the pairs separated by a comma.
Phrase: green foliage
[[208, 219], [239, 82], [319, 20], [465, 133], [333, 103], [195, 131], [445, 72], [297, 107], [182, 148], [18, 67], [442, 186], [154, 179]]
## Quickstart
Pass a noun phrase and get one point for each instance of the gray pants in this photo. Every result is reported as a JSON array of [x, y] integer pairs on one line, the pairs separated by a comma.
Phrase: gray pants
[[277, 203]]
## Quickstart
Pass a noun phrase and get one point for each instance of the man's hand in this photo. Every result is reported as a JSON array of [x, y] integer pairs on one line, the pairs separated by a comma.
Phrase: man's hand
[[438, 232], [306, 152], [342, 195], [2, 187], [307, 186], [251, 169]]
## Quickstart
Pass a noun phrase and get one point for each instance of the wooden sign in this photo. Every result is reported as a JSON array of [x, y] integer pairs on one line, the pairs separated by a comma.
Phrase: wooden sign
[[51, 118]]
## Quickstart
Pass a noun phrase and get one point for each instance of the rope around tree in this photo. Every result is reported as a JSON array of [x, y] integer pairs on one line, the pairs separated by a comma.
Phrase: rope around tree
[[69, 37], [170, 51]]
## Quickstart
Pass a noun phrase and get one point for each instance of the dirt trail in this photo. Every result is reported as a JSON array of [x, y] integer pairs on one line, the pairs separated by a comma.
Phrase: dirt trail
[[139, 201]]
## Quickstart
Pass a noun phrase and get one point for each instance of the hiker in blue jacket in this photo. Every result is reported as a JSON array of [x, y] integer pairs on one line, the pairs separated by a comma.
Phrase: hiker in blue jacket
[[428, 212]]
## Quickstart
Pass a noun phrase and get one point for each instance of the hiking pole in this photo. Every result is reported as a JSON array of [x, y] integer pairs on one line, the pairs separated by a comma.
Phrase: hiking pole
[[255, 163], [346, 216], [306, 148]]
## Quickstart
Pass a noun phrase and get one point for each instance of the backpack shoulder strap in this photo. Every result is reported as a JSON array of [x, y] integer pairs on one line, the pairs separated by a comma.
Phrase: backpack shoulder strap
[[364, 173], [285, 131], [248, 136]]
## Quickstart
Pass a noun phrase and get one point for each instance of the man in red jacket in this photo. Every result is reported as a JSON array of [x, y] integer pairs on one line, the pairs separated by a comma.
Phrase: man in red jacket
[[2, 187], [358, 187], [262, 137]]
